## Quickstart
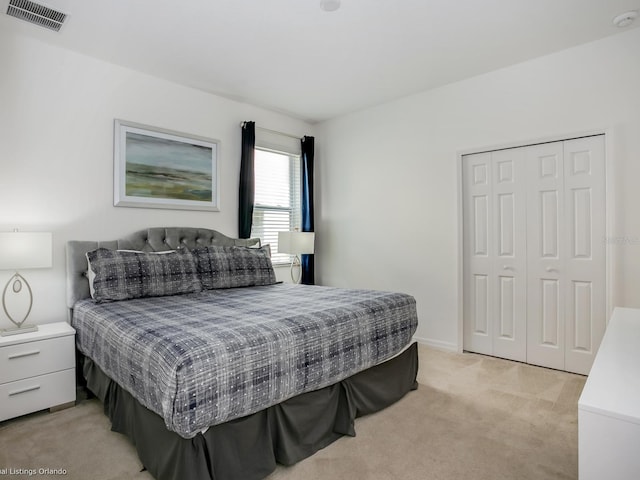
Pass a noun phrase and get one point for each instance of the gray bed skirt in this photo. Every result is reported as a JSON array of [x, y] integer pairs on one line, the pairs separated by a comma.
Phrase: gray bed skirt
[[249, 448]]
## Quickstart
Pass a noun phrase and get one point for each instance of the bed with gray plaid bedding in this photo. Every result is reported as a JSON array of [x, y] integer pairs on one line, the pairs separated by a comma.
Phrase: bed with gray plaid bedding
[[205, 358]]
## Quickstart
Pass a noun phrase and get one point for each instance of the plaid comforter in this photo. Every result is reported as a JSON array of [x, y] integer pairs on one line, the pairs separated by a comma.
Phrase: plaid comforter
[[206, 358]]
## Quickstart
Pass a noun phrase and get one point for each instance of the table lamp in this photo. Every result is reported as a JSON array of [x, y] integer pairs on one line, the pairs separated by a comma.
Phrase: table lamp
[[296, 243], [19, 251]]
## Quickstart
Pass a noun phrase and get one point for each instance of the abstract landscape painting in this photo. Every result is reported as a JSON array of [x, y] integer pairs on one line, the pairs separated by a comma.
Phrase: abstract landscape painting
[[163, 169]]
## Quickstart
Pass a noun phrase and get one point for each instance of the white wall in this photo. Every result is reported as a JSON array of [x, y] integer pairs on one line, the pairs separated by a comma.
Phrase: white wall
[[387, 176], [56, 151]]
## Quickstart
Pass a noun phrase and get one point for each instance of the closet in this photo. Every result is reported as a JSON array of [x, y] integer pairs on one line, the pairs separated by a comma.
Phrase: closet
[[534, 252]]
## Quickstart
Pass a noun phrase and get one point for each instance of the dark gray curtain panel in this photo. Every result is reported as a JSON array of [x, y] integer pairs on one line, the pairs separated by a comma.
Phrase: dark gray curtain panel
[[307, 146], [247, 180]]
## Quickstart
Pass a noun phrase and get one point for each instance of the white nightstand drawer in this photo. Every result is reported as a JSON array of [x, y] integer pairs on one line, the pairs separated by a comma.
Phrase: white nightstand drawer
[[30, 359], [37, 393]]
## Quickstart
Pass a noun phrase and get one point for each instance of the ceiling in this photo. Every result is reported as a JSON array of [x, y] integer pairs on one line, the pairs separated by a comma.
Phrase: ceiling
[[292, 57]]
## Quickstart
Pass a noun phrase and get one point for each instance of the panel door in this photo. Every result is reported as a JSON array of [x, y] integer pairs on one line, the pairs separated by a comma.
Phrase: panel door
[[534, 253], [495, 253], [585, 265], [545, 255], [508, 241], [478, 256]]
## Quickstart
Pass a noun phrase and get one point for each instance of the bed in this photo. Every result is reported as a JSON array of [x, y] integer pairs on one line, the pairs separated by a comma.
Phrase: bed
[[226, 375]]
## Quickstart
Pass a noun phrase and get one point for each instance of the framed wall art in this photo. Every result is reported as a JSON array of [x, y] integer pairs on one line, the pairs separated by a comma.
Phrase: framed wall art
[[157, 168]]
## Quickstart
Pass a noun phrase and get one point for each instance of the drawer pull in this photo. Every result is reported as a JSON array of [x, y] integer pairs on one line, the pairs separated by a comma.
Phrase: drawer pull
[[24, 354], [24, 390]]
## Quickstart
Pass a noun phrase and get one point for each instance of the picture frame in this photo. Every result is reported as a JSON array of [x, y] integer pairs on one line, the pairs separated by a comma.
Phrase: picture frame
[[159, 168]]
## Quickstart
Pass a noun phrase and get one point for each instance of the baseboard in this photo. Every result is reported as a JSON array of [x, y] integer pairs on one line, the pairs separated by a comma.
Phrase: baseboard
[[439, 344]]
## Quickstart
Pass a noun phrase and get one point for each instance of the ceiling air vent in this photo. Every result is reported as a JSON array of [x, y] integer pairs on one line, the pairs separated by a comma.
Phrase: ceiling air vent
[[35, 13]]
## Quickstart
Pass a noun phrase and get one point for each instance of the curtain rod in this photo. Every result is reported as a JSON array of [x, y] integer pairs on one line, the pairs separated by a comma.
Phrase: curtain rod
[[274, 132]]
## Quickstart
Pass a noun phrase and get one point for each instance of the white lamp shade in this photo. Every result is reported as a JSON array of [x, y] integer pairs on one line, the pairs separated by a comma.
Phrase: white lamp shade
[[296, 243], [20, 250]]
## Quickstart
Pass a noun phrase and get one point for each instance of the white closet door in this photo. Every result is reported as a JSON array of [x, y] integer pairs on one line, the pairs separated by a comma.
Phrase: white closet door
[[566, 253], [478, 257], [534, 253], [545, 264], [585, 313], [509, 241], [495, 253]]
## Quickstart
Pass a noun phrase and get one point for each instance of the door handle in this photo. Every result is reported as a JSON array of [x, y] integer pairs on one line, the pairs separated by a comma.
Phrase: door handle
[[508, 267], [551, 269]]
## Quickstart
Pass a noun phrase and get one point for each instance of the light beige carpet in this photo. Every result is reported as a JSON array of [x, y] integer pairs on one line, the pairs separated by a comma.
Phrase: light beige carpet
[[473, 417]]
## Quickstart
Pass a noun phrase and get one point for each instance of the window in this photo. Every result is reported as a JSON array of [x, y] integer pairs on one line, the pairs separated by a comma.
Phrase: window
[[277, 198]]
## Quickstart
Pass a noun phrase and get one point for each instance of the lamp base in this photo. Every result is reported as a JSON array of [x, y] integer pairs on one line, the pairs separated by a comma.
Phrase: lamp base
[[5, 332], [296, 263]]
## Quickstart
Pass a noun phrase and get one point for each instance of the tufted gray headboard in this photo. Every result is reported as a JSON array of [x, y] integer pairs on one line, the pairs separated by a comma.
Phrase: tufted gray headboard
[[149, 240]]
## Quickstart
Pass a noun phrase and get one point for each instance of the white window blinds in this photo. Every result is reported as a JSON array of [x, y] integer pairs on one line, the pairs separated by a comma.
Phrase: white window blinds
[[277, 198]]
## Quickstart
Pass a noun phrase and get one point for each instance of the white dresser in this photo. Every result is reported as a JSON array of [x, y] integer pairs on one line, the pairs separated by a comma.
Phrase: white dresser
[[609, 407], [37, 370]]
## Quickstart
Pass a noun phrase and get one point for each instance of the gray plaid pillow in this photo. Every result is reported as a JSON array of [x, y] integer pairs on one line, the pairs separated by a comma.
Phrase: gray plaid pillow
[[229, 267], [125, 274]]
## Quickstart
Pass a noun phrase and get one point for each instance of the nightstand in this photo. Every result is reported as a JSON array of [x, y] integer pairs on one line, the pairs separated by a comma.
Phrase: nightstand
[[37, 370]]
